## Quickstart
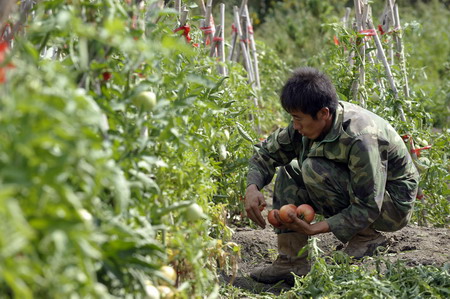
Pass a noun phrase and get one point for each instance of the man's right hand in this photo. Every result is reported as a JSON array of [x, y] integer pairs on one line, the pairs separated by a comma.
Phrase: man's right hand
[[254, 204]]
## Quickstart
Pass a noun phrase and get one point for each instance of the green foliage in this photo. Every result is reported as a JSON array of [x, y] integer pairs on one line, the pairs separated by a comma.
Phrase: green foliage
[[338, 276], [294, 29], [428, 48], [96, 189]]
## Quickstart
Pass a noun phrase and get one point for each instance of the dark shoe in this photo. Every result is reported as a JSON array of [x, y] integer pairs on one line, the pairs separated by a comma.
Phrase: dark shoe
[[281, 269], [365, 243], [289, 246]]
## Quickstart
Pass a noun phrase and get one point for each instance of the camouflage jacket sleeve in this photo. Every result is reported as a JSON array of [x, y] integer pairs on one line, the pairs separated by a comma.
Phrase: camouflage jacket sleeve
[[368, 174], [280, 148]]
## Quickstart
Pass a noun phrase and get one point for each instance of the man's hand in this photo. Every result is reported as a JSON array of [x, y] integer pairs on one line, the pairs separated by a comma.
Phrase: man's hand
[[254, 204], [304, 227]]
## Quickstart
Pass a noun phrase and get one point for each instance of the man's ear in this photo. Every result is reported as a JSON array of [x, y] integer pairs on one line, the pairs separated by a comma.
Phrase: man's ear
[[324, 113]]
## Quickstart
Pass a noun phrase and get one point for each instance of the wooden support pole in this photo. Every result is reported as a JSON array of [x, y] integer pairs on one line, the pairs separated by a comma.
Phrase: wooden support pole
[[208, 28], [400, 52], [360, 66], [252, 45], [184, 15], [177, 6], [243, 45], [215, 42], [203, 7], [387, 69], [234, 50], [246, 39], [221, 49], [346, 17], [6, 6], [391, 13]]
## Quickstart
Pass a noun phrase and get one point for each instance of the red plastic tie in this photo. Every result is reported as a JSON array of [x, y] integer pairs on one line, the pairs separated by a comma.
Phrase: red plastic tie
[[382, 32], [335, 40], [418, 150], [420, 197], [250, 29], [233, 28], [186, 29], [3, 49], [207, 30], [218, 39], [368, 32], [247, 41]]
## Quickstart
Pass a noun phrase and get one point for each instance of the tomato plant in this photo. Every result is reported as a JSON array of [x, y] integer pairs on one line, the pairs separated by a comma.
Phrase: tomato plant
[[112, 153]]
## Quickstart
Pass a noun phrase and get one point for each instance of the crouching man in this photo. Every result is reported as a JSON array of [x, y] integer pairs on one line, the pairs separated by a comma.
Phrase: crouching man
[[349, 164]]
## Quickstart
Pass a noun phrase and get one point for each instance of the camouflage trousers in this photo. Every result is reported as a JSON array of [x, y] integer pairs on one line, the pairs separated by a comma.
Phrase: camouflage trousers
[[325, 185]]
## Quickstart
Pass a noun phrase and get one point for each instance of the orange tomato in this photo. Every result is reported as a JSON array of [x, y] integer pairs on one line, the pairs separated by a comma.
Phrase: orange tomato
[[306, 212], [272, 219], [284, 212]]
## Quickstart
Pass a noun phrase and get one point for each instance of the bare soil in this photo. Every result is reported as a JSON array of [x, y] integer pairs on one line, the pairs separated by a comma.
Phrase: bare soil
[[415, 245]]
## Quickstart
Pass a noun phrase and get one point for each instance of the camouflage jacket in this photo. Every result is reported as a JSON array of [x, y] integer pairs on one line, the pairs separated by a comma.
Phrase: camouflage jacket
[[375, 154]]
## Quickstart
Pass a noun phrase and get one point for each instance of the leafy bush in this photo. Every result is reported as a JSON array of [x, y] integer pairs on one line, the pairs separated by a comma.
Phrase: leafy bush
[[98, 187]]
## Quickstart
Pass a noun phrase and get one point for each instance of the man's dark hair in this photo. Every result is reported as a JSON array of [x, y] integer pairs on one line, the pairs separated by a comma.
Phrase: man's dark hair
[[308, 90]]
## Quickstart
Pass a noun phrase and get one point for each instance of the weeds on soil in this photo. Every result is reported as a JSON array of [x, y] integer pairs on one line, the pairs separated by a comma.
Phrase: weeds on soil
[[339, 276]]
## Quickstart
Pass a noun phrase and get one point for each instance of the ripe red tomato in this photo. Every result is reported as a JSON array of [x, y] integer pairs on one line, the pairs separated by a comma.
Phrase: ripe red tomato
[[284, 213], [272, 219], [306, 212]]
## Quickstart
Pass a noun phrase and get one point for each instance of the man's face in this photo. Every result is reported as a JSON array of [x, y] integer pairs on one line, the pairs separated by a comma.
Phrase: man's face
[[309, 127]]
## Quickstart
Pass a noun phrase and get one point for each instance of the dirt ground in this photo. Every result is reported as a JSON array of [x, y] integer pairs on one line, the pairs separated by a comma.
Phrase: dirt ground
[[413, 244]]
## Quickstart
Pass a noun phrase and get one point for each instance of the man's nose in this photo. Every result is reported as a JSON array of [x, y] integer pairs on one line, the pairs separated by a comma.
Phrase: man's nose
[[297, 126]]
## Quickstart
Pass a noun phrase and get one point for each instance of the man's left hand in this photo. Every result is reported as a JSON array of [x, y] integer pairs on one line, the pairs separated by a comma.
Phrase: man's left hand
[[304, 227]]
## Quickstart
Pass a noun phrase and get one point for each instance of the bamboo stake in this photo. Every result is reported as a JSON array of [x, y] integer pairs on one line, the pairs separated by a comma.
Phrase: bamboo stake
[[202, 7], [245, 37], [401, 55], [400, 51], [221, 48], [214, 43], [241, 13], [208, 26], [389, 75], [6, 6], [235, 37], [243, 45], [346, 17], [360, 66], [387, 69], [358, 13], [391, 14], [253, 48], [177, 6], [25, 8], [184, 15]]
